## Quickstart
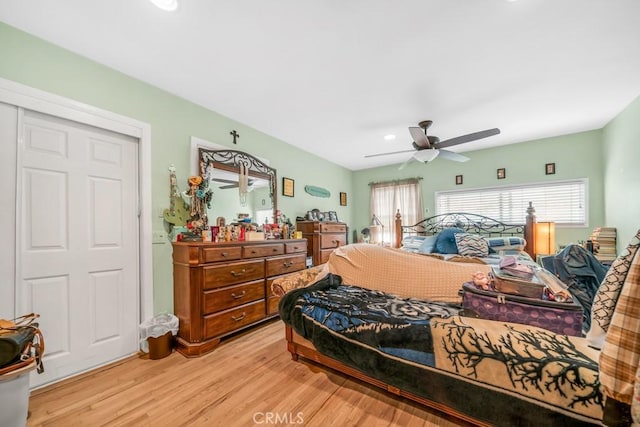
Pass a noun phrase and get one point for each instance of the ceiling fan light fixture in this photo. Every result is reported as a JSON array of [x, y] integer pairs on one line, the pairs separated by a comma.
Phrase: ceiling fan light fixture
[[168, 5], [425, 155]]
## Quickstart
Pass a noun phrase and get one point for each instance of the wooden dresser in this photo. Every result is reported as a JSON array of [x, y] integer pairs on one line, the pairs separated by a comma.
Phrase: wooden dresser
[[220, 288], [322, 237]]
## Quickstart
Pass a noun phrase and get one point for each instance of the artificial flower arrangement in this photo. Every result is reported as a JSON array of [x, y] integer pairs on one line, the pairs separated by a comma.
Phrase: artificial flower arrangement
[[200, 196]]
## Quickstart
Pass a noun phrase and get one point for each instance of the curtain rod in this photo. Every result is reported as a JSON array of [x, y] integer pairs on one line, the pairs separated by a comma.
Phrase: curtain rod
[[397, 181]]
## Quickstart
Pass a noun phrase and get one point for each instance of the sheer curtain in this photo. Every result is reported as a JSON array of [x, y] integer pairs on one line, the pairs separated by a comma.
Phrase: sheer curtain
[[389, 197]]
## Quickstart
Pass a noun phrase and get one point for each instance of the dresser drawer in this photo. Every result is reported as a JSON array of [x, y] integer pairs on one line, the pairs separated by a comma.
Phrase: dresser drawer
[[233, 296], [216, 276], [332, 240], [332, 228], [324, 255], [272, 305], [300, 246], [229, 253], [235, 318], [285, 264], [263, 250]]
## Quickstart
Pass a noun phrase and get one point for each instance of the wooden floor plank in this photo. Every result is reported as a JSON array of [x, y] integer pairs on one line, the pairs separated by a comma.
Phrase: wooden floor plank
[[248, 380]]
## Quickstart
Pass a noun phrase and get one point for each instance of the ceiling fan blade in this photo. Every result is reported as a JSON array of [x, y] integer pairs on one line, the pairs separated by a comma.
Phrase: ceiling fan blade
[[386, 154], [419, 137], [224, 187], [225, 181], [468, 138], [404, 165], [450, 155]]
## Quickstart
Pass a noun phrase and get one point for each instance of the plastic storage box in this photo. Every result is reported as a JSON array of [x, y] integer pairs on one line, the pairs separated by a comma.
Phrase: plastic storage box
[[14, 396]]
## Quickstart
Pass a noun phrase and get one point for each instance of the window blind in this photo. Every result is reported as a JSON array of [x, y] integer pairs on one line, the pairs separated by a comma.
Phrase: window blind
[[564, 202]]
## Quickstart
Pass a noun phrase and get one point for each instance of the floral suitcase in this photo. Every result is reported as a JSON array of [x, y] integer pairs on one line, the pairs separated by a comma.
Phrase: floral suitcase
[[560, 317]]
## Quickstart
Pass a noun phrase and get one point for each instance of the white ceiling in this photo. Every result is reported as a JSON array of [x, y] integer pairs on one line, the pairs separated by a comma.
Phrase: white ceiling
[[334, 76]]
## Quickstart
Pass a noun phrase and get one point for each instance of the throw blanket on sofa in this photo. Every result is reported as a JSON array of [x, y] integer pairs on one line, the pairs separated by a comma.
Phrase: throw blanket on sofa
[[423, 347], [391, 324]]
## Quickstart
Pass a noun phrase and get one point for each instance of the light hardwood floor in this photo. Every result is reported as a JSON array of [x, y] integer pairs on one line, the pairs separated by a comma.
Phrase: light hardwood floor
[[248, 380]]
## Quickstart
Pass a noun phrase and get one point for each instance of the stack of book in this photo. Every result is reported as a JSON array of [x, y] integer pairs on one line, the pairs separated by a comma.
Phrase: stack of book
[[604, 244]]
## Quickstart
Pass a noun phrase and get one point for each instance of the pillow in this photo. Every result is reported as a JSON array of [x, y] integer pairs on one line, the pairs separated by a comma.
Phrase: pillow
[[446, 242], [497, 244], [428, 244], [471, 245], [606, 298], [299, 279], [412, 243], [620, 354]]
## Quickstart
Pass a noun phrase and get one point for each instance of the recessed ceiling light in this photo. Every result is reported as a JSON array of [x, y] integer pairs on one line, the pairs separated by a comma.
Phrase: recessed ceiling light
[[169, 5], [389, 137]]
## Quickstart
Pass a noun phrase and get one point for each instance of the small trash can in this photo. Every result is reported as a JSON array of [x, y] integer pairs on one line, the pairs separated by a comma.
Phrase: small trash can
[[156, 335], [14, 396]]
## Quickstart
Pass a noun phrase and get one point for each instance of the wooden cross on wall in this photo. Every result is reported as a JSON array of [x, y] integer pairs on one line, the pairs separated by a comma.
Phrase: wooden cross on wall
[[235, 136]]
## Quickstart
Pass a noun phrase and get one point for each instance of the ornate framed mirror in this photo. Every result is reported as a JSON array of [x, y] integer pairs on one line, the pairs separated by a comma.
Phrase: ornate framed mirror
[[242, 185]]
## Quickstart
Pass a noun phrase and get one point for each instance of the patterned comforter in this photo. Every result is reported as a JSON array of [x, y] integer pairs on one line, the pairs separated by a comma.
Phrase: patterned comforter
[[501, 374]]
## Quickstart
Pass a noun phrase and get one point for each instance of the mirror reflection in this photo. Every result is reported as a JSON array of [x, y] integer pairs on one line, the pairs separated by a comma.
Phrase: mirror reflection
[[244, 188]]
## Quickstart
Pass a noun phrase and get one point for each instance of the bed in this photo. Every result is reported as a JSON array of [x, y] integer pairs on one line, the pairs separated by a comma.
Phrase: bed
[[364, 315], [480, 225]]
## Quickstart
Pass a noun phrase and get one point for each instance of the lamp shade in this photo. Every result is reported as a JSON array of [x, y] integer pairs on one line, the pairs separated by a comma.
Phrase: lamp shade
[[545, 238]]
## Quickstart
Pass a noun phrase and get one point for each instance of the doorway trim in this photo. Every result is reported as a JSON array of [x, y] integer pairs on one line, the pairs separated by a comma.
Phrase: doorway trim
[[30, 98]]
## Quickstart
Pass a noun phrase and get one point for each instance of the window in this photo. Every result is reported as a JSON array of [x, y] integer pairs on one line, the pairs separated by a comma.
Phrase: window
[[564, 202], [389, 197]]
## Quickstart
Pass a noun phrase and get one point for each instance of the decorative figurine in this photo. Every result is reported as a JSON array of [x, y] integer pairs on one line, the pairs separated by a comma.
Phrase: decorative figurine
[[481, 280]]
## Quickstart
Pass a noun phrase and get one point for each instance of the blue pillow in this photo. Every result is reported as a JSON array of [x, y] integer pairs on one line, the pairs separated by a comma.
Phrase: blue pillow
[[428, 244], [446, 241], [498, 244]]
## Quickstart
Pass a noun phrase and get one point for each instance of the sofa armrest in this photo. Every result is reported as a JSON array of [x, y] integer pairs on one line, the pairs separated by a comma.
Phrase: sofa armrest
[[299, 279]]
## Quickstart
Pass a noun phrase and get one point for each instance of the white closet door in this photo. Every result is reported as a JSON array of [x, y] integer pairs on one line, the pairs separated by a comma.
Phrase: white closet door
[[78, 242]]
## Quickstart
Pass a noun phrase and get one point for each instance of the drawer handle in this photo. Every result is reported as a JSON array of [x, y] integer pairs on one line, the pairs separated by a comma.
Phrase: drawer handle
[[253, 252], [224, 254], [237, 319], [234, 296], [238, 274], [275, 249], [287, 264]]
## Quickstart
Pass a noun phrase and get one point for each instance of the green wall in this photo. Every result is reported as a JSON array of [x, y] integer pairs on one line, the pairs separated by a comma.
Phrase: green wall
[[31, 61], [621, 152], [576, 156]]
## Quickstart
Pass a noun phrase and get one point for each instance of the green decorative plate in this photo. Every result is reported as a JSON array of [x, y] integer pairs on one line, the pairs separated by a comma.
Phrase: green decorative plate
[[317, 191]]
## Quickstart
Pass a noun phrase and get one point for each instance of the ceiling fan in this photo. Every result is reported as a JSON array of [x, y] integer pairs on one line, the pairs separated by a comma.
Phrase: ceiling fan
[[232, 184], [427, 147]]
